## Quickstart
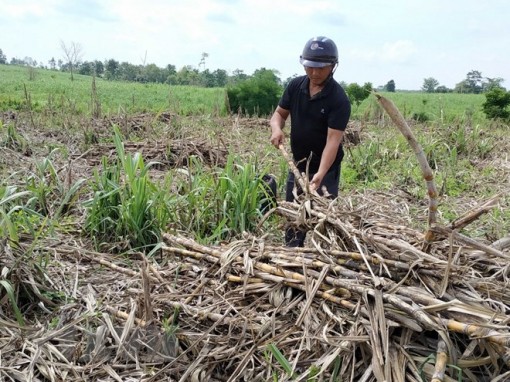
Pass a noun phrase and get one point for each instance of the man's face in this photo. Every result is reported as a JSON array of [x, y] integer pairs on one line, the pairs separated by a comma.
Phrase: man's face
[[317, 76]]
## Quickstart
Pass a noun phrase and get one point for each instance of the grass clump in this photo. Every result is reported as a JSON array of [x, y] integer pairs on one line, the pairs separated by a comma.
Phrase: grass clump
[[125, 202], [220, 204]]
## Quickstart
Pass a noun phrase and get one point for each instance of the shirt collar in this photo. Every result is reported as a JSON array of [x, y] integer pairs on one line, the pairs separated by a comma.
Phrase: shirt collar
[[305, 87]]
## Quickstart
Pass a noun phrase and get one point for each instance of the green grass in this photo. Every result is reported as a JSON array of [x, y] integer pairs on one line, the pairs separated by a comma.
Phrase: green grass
[[52, 90], [47, 90], [436, 107]]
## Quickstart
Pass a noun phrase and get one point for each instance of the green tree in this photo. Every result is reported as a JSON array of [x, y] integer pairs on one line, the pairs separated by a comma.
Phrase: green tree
[[3, 57], [98, 68], [86, 68], [52, 63], [202, 60], [186, 76], [221, 77], [429, 85], [153, 73], [390, 86], [169, 71], [442, 89], [496, 104], [473, 83], [111, 70], [357, 93], [492, 83], [237, 76], [258, 95], [207, 79], [128, 72]]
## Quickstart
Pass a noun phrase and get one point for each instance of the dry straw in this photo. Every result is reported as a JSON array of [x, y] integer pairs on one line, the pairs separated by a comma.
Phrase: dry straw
[[363, 301]]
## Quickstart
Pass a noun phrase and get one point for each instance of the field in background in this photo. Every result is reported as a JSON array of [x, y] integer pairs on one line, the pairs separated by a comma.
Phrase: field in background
[[50, 89]]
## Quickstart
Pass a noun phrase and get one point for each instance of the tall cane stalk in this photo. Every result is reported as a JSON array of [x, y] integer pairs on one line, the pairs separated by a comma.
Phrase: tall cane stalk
[[428, 175]]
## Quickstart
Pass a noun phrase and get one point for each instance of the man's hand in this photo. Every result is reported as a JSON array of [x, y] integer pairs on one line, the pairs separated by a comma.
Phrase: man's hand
[[316, 181], [277, 137], [277, 122]]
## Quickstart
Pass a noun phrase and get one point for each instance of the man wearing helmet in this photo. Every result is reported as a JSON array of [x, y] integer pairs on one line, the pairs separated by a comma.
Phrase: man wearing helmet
[[319, 110]]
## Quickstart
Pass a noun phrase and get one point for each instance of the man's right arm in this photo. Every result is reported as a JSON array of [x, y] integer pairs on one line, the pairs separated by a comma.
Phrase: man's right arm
[[277, 122]]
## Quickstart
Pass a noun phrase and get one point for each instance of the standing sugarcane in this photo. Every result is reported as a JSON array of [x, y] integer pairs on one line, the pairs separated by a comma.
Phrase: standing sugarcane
[[402, 125]]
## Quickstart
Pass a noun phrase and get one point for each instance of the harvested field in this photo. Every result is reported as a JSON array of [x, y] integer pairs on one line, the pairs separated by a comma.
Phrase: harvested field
[[381, 292]]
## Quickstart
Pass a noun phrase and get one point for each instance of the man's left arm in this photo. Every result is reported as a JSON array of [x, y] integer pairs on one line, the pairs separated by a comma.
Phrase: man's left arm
[[333, 142]]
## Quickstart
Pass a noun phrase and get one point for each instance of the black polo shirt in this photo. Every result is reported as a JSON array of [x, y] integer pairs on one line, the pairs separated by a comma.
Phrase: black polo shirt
[[311, 117]]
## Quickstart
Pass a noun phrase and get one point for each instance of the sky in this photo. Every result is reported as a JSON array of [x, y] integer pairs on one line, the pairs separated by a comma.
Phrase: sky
[[378, 40]]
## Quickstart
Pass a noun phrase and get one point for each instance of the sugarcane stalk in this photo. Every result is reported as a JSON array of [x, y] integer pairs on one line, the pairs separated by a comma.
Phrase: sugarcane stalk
[[441, 361], [477, 332], [428, 175], [418, 314], [406, 322], [474, 214], [261, 276], [125, 316], [96, 257], [297, 175], [426, 320], [470, 242]]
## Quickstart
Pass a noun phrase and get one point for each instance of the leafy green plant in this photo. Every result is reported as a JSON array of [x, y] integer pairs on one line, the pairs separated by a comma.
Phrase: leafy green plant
[[9, 290], [52, 195], [368, 160], [257, 95], [219, 204], [11, 204], [357, 93], [125, 202], [497, 102], [15, 140], [273, 351], [431, 359], [421, 116]]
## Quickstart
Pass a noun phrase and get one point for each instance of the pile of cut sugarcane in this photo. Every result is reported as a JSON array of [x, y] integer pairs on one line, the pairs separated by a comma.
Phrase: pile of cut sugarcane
[[369, 297]]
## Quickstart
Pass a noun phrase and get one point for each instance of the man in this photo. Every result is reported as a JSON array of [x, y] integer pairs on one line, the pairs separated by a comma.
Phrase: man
[[319, 110]]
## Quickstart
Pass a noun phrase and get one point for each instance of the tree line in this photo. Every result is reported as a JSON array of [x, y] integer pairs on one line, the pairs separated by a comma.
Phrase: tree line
[[114, 70], [474, 83]]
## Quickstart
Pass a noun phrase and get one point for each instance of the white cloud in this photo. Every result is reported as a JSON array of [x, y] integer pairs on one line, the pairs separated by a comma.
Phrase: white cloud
[[391, 52], [26, 8], [398, 52]]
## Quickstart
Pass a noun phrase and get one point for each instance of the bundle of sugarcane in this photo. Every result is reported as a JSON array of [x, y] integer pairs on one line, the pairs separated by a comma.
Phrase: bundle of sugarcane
[[386, 287]]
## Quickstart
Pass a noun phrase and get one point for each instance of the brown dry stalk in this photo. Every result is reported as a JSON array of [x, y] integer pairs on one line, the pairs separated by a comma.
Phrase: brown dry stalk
[[428, 175], [297, 175], [441, 360], [470, 242], [125, 316], [475, 213], [97, 257], [413, 311], [477, 332], [290, 278]]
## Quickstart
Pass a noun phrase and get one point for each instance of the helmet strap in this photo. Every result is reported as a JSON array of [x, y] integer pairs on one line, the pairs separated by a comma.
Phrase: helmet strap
[[330, 75]]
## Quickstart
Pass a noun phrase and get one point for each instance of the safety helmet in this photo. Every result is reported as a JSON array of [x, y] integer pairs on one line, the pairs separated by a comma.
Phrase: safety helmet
[[319, 52]]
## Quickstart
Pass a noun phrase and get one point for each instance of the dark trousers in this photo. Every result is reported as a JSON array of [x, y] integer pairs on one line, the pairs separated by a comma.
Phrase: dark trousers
[[296, 237]]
